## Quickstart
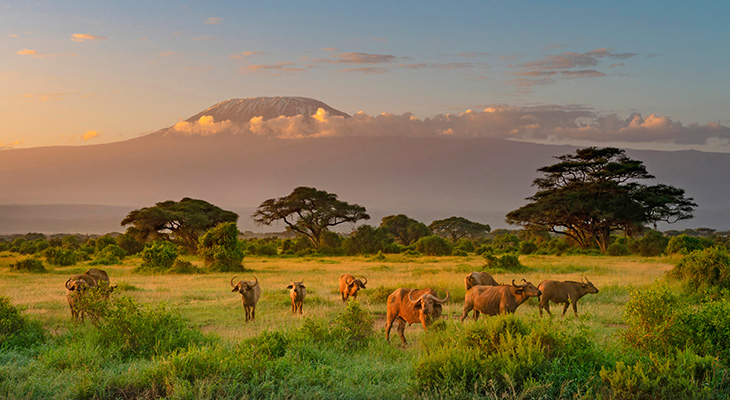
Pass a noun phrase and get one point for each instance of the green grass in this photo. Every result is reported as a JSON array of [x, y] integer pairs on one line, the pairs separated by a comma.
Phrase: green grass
[[314, 363]]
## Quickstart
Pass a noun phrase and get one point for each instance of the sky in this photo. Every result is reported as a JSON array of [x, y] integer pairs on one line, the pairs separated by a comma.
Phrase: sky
[[650, 74]]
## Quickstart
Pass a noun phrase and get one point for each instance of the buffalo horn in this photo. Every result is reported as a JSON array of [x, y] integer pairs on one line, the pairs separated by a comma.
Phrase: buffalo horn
[[69, 288], [366, 280], [411, 298], [257, 281], [442, 301], [515, 285], [232, 285], [349, 280]]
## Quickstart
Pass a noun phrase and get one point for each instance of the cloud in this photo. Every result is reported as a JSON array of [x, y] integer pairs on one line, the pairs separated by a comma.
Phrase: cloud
[[414, 66], [457, 65], [473, 54], [589, 73], [600, 53], [205, 125], [528, 123], [12, 35], [89, 135], [83, 37], [246, 54], [204, 37], [28, 52], [561, 61], [616, 65], [213, 20], [330, 49], [8, 146], [273, 69], [360, 58], [366, 70]]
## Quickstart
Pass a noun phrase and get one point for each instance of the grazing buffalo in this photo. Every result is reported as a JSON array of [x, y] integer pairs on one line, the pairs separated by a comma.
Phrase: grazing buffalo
[[349, 286], [567, 292], [297, 291], [99, 275], [411, 306], [77, 286], [479, 278], [250, 293], [493, 300]]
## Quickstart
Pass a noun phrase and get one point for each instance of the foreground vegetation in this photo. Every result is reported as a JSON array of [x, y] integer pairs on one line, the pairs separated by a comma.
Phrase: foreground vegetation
[[644, 335]]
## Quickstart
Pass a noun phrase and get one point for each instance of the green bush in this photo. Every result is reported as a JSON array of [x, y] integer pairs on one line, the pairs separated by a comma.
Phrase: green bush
[[618, 249], [220, 248], [111, 254], [60, 257], [354, 326], [684, 244], [184, 267], [28, 265], [527, 247], [465, 244], [652, 244], [368, 240], [433, 246], [157, 257], [16, 330], [704, 268], [507, 262], [133, 331]]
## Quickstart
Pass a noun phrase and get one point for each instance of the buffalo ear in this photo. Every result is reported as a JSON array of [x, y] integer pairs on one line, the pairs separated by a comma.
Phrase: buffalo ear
[[519, 291], [362, 286], [303, 286], [289, 287], [418, 306], [234, 289]]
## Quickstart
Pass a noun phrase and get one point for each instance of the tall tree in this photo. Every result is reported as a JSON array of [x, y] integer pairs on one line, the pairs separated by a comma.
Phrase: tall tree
[[595, 191], [309, 212], [458, 227], [180, 222], [405, 230]]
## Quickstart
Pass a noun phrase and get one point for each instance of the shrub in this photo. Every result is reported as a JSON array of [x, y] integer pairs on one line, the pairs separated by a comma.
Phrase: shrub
[[60, 257], [220, 248], [527, 247], [129, 243], [433, 246], [649, 316], [618, 249], [464, 244], [508, 262], [28, 265], [111, 254], [368, 240], [684, 244], [354, 326], [158, 257], [652, 244], [704, 268], [15, 329], [184, 267], [134, 331], [459, 253]]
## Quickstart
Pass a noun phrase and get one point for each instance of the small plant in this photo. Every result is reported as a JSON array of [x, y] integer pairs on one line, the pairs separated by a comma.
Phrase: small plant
[[15, 329], [184, 267], [28, 265], [507, 262], [354, 326], [158, 257]]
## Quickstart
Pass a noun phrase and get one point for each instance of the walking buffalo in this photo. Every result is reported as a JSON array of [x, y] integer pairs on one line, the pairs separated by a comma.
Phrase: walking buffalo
[[250, 292], [568, 292], [349, 286], [411, 306], [493, 300]]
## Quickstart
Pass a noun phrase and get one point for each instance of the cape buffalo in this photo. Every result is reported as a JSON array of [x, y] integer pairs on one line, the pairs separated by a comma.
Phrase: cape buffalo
[[250, 293], [568, 292], [297, 291], [493, 300], [411, 306], [349, 286], [76, 286], [479, 278]]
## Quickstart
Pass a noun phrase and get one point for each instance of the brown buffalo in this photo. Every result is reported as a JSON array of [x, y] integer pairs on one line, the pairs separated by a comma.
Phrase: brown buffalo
[[568, 292], [99, 275], [297, 291], [479, 278], [250, 292], [493, 300], [411, 306], [349, 286]]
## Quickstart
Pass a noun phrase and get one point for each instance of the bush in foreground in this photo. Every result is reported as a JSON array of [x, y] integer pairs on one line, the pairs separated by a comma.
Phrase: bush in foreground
[[16, 330]]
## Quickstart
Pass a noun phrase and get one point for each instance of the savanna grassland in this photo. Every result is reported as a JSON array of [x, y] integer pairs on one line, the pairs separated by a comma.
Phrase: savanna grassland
[[184, 336]]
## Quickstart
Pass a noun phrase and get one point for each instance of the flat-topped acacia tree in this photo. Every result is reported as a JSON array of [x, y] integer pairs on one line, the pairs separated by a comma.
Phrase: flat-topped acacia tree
[[309, 212], [458, 227], [180, 222], [589, 194]]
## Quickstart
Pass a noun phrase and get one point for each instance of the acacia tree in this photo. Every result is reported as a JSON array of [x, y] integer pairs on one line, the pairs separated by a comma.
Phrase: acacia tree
[[404, 229], [180, 222], [589, 194], [309, 212], [458, 227]]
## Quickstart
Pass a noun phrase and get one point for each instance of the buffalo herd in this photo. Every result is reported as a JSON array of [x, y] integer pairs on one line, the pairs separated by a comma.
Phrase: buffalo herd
[[407, 306]]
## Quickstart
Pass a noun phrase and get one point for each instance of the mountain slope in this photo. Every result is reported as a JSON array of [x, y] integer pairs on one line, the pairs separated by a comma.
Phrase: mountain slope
[[240, 111]]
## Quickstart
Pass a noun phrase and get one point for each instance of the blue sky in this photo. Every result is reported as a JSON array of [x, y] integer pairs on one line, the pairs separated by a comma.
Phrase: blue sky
[[82, 72]]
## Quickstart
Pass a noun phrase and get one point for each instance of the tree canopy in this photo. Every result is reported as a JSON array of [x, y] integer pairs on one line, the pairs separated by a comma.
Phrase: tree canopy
[[180, 222], [595, 191], [405, 230], [458, 227], [309, 212]]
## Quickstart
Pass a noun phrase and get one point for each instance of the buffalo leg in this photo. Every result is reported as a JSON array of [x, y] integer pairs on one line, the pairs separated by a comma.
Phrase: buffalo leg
[[565, 308], [476, 314], [344, 299], [401, 330], [253, 313], [575, 308]]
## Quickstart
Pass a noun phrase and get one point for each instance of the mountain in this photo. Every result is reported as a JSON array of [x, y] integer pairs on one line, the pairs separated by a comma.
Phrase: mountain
[[240, 111], [425, 178]]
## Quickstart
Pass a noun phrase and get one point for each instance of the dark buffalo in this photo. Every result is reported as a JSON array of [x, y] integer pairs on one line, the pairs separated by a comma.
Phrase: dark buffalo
[[297, 292], [250, 292]]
